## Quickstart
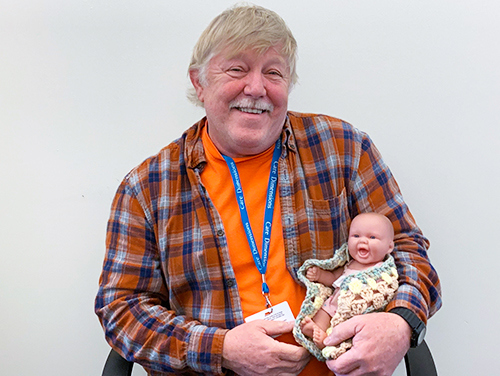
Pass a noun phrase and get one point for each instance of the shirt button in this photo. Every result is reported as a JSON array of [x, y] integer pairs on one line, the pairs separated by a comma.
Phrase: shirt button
[[220, 233], [230, 283]]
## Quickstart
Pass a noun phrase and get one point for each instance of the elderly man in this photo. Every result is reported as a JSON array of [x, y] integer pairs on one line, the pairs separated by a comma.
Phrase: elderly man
[[213, 229]]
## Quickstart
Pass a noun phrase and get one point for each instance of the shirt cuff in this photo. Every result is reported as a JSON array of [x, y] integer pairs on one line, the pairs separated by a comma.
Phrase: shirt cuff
[[204, 353]]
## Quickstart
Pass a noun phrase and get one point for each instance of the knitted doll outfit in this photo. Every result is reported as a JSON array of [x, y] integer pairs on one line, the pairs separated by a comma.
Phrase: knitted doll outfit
[[361, 292], [330, 306]]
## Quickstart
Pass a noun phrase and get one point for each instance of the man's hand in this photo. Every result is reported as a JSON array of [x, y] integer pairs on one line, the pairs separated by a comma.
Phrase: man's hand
[[380, 340], [250, 350]]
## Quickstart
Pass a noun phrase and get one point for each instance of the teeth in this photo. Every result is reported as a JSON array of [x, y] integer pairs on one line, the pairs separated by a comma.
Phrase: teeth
[[251, 110]]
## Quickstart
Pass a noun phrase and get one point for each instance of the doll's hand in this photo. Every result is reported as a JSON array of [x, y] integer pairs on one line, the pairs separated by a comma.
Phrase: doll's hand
[[313, 273]]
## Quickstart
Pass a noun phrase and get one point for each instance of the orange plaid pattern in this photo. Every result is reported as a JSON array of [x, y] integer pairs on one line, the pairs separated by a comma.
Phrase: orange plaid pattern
[[168, 291]]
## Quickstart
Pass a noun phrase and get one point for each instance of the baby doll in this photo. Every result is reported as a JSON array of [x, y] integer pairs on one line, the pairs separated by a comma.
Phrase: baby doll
[[370, 241]]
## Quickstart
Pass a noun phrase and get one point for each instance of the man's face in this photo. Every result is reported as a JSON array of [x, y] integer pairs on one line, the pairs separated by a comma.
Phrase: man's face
[[370, 239], [245, 100]]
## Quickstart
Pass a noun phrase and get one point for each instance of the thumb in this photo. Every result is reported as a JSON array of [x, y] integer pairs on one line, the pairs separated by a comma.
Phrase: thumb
[[276, 328], [341, 332]]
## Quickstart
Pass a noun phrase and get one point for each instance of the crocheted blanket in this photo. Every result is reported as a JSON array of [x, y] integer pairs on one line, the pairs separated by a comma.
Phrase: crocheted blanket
[[360, 293]]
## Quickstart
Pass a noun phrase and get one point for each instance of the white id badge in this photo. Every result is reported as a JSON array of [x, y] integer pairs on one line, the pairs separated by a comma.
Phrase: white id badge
[[279, 312]]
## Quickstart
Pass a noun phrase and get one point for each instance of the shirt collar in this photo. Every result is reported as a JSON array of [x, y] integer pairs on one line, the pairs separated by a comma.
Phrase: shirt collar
[[195, 153]]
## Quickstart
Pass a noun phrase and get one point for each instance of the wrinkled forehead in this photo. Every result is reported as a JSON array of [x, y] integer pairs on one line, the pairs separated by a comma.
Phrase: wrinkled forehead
[[232, 50]]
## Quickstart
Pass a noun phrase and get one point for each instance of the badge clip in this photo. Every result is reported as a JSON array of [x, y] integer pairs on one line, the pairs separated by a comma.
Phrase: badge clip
[[265, 292]]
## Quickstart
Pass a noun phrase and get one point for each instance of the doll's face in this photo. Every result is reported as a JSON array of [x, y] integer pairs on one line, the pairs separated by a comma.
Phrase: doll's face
[[370, 238]]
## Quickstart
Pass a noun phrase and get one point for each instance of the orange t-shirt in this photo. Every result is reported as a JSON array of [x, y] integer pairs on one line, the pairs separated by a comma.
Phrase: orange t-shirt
[[254, 175]]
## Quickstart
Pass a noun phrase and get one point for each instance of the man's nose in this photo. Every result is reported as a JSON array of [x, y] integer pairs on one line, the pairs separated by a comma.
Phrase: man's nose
[[255, 85]]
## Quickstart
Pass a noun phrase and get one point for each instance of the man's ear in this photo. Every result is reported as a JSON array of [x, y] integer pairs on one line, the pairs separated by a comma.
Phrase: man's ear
[[194, 76]]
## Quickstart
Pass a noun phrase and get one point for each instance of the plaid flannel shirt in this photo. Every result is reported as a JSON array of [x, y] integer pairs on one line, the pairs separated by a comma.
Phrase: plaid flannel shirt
[[168, 292]]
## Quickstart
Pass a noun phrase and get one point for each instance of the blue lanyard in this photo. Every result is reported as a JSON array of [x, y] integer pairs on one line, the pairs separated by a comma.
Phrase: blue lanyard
[[260, 262]]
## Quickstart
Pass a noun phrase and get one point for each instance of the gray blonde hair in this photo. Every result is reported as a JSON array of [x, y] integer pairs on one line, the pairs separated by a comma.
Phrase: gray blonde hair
[[242, 27]]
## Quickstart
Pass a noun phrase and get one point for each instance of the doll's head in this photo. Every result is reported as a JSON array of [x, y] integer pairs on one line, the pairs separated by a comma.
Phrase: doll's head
[[371, 238]]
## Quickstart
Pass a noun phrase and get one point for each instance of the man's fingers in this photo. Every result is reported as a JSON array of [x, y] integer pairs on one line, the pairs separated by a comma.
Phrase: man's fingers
[[249, 350], [294, 357], [342, 332], [344, 364], [287, 352], [380, 342], [276, 328], [293, 352]]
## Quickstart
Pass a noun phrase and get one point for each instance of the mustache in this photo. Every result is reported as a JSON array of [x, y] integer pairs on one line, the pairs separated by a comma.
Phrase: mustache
[[259, 104]]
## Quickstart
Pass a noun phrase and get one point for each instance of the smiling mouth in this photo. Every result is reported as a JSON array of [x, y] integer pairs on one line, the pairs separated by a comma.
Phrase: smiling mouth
[[363, 252], [250, 110], [251, 106]]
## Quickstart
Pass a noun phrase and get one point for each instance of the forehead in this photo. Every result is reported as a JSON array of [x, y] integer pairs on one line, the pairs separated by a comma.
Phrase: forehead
[[370, 222], [272, 54]]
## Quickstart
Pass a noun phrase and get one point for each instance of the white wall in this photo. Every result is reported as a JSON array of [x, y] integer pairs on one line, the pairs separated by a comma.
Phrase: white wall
[[88, 89]]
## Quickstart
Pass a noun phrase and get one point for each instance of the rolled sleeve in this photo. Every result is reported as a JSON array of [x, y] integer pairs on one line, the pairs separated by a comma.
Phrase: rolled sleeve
[[133, 301]]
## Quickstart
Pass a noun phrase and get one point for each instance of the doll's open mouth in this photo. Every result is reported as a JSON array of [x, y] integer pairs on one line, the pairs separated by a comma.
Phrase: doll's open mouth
[[363, 252]]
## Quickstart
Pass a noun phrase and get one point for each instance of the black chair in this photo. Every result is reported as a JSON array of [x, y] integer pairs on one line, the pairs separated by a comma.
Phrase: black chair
[[418, 362], [116, 365]]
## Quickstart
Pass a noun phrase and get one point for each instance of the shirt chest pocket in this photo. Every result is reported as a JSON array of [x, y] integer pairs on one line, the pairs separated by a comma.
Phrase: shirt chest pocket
[[329, 224]]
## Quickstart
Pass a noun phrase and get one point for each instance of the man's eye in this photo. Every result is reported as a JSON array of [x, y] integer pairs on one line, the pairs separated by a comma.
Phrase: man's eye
[[235, 70]]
